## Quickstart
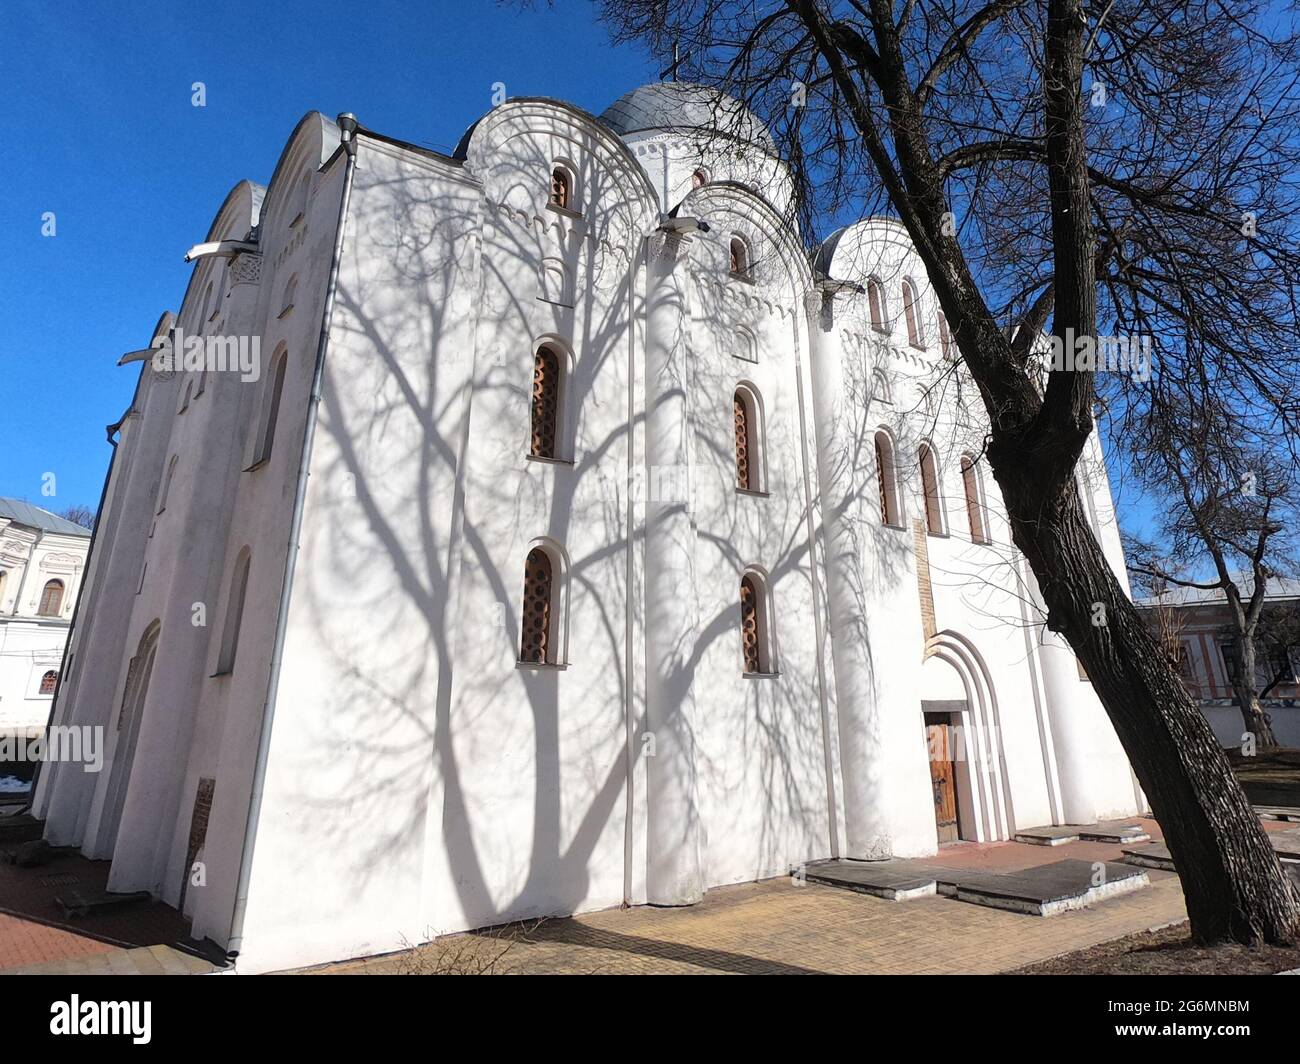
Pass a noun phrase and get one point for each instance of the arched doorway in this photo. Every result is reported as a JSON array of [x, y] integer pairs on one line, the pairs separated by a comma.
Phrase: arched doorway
[[127, 725], [963, 739]]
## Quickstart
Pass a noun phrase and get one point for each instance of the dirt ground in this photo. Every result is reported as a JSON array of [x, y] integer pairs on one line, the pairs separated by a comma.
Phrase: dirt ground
[[1168, 951]]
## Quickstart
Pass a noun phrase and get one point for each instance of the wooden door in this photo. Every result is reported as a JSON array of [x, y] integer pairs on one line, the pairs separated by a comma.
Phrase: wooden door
[[943, 777]]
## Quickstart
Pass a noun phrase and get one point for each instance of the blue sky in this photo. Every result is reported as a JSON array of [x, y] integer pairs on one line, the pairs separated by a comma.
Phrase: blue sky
[[102, 132]]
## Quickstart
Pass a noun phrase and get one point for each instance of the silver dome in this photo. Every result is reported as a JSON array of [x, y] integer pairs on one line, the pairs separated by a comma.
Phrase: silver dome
[[682, 105]]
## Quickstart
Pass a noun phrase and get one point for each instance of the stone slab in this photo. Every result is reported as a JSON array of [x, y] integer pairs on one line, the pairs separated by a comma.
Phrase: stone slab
[[1042, 890], [1049, 835], [1152, 855], [82, 903], [1049, 889], [896, 880], [1115, 831], [1286, 844], [1278, 812]]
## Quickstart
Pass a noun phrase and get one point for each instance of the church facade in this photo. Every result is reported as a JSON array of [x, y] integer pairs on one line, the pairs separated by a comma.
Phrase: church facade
[[572, 540]]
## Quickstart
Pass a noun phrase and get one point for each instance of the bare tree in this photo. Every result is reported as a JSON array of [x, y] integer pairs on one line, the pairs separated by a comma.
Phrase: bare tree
[[1225, 494], [79, 515], [1056, 164]]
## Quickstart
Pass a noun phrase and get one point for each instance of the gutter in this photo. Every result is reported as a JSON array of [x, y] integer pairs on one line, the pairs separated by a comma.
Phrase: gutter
[[110, 432], [347, 123]]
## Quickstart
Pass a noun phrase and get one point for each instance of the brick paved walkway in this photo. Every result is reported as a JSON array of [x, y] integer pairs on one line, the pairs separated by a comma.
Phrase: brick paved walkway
[[776, 927]]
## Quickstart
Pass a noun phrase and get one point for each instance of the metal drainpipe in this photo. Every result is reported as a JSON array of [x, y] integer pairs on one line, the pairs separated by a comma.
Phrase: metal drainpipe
[[347, 123], [111, 431]]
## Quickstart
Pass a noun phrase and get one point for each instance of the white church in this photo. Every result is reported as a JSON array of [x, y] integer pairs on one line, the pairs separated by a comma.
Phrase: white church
[[577, 539]]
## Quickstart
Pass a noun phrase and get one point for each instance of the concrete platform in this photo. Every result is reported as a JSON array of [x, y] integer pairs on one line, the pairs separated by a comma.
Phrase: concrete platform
[[1041, 890], [1113, 831], [896, 880], [1286, 844]]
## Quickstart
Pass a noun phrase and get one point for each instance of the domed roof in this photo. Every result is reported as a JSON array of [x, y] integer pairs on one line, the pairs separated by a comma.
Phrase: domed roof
[[682, 105]]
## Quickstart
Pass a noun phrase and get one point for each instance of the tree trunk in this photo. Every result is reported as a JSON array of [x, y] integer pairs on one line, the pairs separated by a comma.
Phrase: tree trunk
[[1252, 713], [1234, 886]]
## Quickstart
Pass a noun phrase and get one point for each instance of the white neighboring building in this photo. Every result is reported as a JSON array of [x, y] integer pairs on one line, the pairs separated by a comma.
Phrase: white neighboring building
[[42, 561], [617, 560]]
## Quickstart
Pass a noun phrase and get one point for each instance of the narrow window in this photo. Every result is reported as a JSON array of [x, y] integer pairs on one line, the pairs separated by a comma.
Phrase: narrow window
[[51, 599], [546, 402], [302, 193], [286, 301], [185, 396], [215, 309], [270, 413], [206, 306], [167, 484], [754, 632], [876, 303], [537, 643], [974, 511], [945, 338], [48, 682], [561, 187], [234, 613], [743, 410], [912, 312], [739, 257], [886, 480], [930, 485]]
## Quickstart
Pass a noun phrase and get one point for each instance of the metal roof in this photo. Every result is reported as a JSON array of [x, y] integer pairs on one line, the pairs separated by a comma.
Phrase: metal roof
[[24, 513], [682, 105], [1276, 588]]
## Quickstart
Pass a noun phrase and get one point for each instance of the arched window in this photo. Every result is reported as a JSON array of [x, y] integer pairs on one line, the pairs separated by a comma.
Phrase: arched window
[[880, 390], [700, 178], [547, 384], [166, 484], [974, 505], [945, 338], [234, 613], [51, 599], [912, 313], [876, 304], [747, 426], [561, 187], [538, 644], [755, 633], [746, 345], [49, 681], [269, 414], [739, 256], [887, 480], [930, 486]]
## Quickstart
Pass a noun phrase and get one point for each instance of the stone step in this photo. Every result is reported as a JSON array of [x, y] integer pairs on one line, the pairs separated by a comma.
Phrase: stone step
[[1278, 812], [1286, 844], [83, 903], [1043, 890], [1115, 831]]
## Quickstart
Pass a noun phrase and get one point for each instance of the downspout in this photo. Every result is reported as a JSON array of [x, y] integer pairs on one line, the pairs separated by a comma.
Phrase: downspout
[[111, 431], [347, 123]]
